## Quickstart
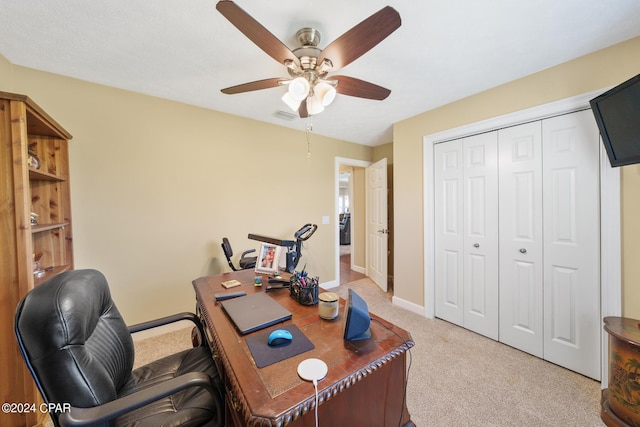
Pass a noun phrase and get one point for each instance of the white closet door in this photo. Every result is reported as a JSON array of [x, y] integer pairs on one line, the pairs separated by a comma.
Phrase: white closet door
[[572, 242], [480, 243], [520, 211], [448, 231]]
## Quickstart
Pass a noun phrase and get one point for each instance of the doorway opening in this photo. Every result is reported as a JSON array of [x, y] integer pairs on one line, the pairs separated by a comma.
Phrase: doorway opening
[[350, 250]]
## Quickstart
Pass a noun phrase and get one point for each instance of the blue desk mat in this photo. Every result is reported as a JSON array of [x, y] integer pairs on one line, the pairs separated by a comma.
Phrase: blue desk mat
[[264, 355]]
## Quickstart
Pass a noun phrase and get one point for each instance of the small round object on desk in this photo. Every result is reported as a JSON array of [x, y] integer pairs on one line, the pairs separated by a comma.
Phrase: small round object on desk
[[328, 305], [312, 369], [258, 281]]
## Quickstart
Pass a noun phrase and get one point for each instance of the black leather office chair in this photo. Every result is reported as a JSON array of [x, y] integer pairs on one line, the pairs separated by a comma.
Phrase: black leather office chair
[[79, 351], [345, 229], [245, 263]]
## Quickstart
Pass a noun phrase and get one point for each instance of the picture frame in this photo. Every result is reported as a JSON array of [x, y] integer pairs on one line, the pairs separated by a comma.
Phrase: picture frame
[[268, 259]]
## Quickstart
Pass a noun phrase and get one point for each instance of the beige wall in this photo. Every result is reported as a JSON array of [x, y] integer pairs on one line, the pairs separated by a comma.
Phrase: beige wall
[[383, 151], [631, 241], [601, 69], [156, 184]]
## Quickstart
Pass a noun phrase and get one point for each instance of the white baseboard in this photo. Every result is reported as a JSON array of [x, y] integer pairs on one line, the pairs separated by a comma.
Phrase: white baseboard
[[359, 269], [408, 305], [329, 285]]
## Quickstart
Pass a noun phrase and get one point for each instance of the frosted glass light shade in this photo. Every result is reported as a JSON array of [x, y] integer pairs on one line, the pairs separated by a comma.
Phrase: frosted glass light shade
[[325, 93], [299, 88], [292, 103], [314, 105]]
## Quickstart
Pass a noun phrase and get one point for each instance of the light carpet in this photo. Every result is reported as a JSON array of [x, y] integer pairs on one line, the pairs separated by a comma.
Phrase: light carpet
[[459, 378]]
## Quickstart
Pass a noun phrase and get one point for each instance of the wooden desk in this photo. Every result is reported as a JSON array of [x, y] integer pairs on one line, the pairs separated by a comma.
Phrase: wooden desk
[[366, 380]]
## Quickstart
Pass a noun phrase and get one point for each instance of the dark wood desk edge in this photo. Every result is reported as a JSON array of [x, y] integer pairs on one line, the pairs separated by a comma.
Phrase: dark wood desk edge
[[237, 398], [241, 405], [326, 394]]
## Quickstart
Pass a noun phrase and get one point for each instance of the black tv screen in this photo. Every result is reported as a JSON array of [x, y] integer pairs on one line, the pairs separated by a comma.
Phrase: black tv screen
[[617, 112]]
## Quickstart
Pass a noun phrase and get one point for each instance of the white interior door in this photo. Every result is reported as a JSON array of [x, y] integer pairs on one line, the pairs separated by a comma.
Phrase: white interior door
[[572, 242], [466, 233], [377, 223], [521, 244], [480, 242], [448, 234]]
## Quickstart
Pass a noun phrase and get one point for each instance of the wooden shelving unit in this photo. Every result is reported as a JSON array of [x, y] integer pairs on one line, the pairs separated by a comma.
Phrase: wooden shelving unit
[[44, 191]]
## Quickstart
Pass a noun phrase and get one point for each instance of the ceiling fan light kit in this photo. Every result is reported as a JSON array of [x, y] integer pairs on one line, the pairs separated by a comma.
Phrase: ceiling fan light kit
[[299, 88], [290, 101], [314, 105], [310, 89], [325, 92]]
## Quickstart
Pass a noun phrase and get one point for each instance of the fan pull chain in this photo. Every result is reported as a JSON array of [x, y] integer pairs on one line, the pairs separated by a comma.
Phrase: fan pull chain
[[308, 132]]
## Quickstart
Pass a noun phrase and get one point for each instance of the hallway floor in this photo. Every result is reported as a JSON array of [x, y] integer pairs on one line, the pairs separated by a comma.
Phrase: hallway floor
[[346, 273]]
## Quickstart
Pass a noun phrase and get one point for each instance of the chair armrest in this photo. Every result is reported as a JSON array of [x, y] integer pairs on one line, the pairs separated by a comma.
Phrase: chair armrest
[[77, 417], [167, 320], [247, 252]]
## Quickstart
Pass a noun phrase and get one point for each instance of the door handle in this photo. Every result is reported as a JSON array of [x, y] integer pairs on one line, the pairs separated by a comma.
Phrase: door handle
[[383, 231], [476, 245], [523, 251]]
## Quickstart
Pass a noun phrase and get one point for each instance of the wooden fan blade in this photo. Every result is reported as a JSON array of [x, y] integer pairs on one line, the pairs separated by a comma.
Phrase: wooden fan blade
[[361, 38], [256, 32], [257, 85], [359, 88], [302, 109]]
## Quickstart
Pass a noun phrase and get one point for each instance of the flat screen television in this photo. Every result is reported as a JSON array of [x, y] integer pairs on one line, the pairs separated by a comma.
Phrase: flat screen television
[[617, 112], [357, 317]]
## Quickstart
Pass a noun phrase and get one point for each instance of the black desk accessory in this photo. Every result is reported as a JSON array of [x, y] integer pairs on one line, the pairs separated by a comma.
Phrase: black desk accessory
[[276, 287], [304, 288], [264, 355], [228, 295]]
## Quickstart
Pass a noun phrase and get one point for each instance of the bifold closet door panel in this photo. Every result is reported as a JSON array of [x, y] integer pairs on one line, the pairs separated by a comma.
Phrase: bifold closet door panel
[[480, 229], [521, 237], [466, 232], [448, 195], [572, 242]]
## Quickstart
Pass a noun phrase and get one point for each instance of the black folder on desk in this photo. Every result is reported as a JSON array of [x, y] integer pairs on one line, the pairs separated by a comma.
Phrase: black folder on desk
[[255, 311]]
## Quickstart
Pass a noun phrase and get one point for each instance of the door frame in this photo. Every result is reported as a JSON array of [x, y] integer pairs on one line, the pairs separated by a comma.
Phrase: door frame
[[610, 232], [338, 161]]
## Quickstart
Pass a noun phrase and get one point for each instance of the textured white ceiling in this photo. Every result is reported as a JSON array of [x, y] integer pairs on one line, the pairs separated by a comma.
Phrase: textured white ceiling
[[187, 51]]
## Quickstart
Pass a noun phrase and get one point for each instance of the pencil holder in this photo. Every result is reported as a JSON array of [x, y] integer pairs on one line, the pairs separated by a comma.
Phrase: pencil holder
[[304, 289]]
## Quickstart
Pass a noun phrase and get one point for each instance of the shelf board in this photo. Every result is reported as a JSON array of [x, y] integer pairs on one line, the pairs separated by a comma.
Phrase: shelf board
[[49, 274], [38, 175], [46, 227]]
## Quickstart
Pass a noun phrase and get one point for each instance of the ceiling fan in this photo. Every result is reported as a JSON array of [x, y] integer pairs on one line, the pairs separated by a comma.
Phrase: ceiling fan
[[310, 88]]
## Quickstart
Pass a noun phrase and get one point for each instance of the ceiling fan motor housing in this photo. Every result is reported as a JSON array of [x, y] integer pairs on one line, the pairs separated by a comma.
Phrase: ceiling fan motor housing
[[308, 52], [308, 37]]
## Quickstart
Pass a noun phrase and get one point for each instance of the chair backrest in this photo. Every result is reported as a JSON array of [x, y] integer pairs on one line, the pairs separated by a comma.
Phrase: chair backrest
[[75, 342], [228, 252], [346, 221]]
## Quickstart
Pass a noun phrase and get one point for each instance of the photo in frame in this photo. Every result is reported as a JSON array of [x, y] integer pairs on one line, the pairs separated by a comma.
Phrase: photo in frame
[[268, 259]]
